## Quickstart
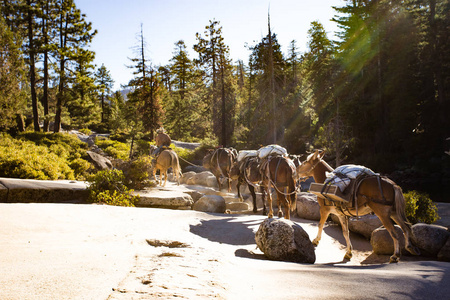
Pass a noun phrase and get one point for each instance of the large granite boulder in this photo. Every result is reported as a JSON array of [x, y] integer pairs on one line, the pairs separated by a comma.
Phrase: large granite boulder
[[444, 253], [211, 181], [210, 203], [164, 199], [100, 162], [185, 177], [284, 240], [430, 238], [200, 178], [195, 169], [13, 190], [307, 206], [382, 242], [364, 225], [234, 207]]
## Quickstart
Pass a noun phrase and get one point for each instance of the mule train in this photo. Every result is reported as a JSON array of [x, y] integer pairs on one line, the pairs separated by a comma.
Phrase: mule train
[[271, 167], [266, 168]]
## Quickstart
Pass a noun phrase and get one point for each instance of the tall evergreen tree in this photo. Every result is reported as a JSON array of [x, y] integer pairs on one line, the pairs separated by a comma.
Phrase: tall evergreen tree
[[145, 95], [105, 83], [74, 33], [213, 55], [12, 79]]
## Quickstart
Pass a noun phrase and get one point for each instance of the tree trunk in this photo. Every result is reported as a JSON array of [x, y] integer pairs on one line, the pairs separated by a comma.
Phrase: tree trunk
[[224, 132], [34, 103], [45, 87]]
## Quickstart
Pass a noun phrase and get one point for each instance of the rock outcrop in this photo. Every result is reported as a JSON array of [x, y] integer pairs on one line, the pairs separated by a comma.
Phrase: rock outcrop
[[432, 240], [164, 199], [210, 203], [281, 239], [99, 161], [307, 206]]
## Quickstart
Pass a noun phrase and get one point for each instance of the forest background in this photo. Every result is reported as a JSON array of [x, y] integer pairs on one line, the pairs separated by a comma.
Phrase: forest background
[[378, 96]]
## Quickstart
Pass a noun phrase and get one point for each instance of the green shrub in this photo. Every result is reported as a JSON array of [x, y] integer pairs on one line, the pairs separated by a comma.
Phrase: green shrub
[[420, 208], [141, 147], [108, 187], [114, 148], [114, 198], [85, 131], [80, 168], [24, 159], [137, 172]]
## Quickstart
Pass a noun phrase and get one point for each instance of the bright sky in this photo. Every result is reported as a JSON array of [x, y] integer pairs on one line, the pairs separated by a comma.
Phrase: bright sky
[[167, 21]]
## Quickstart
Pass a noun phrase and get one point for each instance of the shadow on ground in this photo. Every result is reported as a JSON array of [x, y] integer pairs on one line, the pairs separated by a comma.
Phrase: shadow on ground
[[232, 231]]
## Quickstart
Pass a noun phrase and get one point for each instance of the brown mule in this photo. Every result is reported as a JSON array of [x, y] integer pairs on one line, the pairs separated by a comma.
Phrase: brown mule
[[166, 159], [279, 172], [247, 171], [220, 161], [386, 206]]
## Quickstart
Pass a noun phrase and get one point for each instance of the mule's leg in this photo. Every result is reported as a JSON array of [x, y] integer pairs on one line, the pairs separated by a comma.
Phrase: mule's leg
[[324, 213], [389, 225], [344, 225], [251, 188], [165, 177], [238, 187], [280, 199], [269, 201], [263, 197], [407, 233]]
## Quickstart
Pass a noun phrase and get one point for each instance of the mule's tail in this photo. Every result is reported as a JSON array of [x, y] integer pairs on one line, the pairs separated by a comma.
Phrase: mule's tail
[[400, 203], [176, 168]]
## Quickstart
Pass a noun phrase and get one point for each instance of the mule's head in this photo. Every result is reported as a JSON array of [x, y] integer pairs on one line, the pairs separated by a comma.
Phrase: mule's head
[[235, 171], [207, 159], [306, 168]]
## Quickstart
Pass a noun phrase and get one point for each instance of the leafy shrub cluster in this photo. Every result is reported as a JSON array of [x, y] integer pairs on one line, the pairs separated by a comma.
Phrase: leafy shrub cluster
[[85, 131], [20, 158], [66, 146], [137, 172], [108, 187], [113, 148], [420, 208]]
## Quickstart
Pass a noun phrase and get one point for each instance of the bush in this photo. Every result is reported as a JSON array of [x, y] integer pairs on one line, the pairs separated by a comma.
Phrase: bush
[[24, 159], [80, 167], [114, 148], [85, 131], [108, 187], [137, 172], [420, 208], [141, 147]]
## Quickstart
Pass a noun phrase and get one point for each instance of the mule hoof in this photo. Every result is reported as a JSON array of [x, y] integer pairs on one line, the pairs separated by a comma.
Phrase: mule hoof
[[394, 259], [270, 216], [348, 256], [280, 214], [413, 250], [315, 242], [255, 210]]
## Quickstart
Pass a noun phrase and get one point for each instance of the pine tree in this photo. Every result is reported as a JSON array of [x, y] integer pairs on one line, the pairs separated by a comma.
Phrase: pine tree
[[105, 83], [12, 79], [74, 34], [144, 98], [213, 57]]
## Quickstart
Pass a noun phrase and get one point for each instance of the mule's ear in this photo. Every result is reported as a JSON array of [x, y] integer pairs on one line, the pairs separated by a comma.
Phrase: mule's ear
[[322, 153], [316, 154]]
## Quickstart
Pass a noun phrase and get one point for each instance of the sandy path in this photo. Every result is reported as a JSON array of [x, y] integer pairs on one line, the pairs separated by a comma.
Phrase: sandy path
[[67, 251]]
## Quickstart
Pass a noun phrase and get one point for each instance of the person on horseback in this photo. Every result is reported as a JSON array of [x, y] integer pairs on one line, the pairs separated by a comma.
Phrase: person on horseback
[[162, 141]]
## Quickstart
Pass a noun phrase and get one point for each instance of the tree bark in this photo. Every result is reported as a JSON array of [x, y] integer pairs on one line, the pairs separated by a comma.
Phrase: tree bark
[[34, 103]]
